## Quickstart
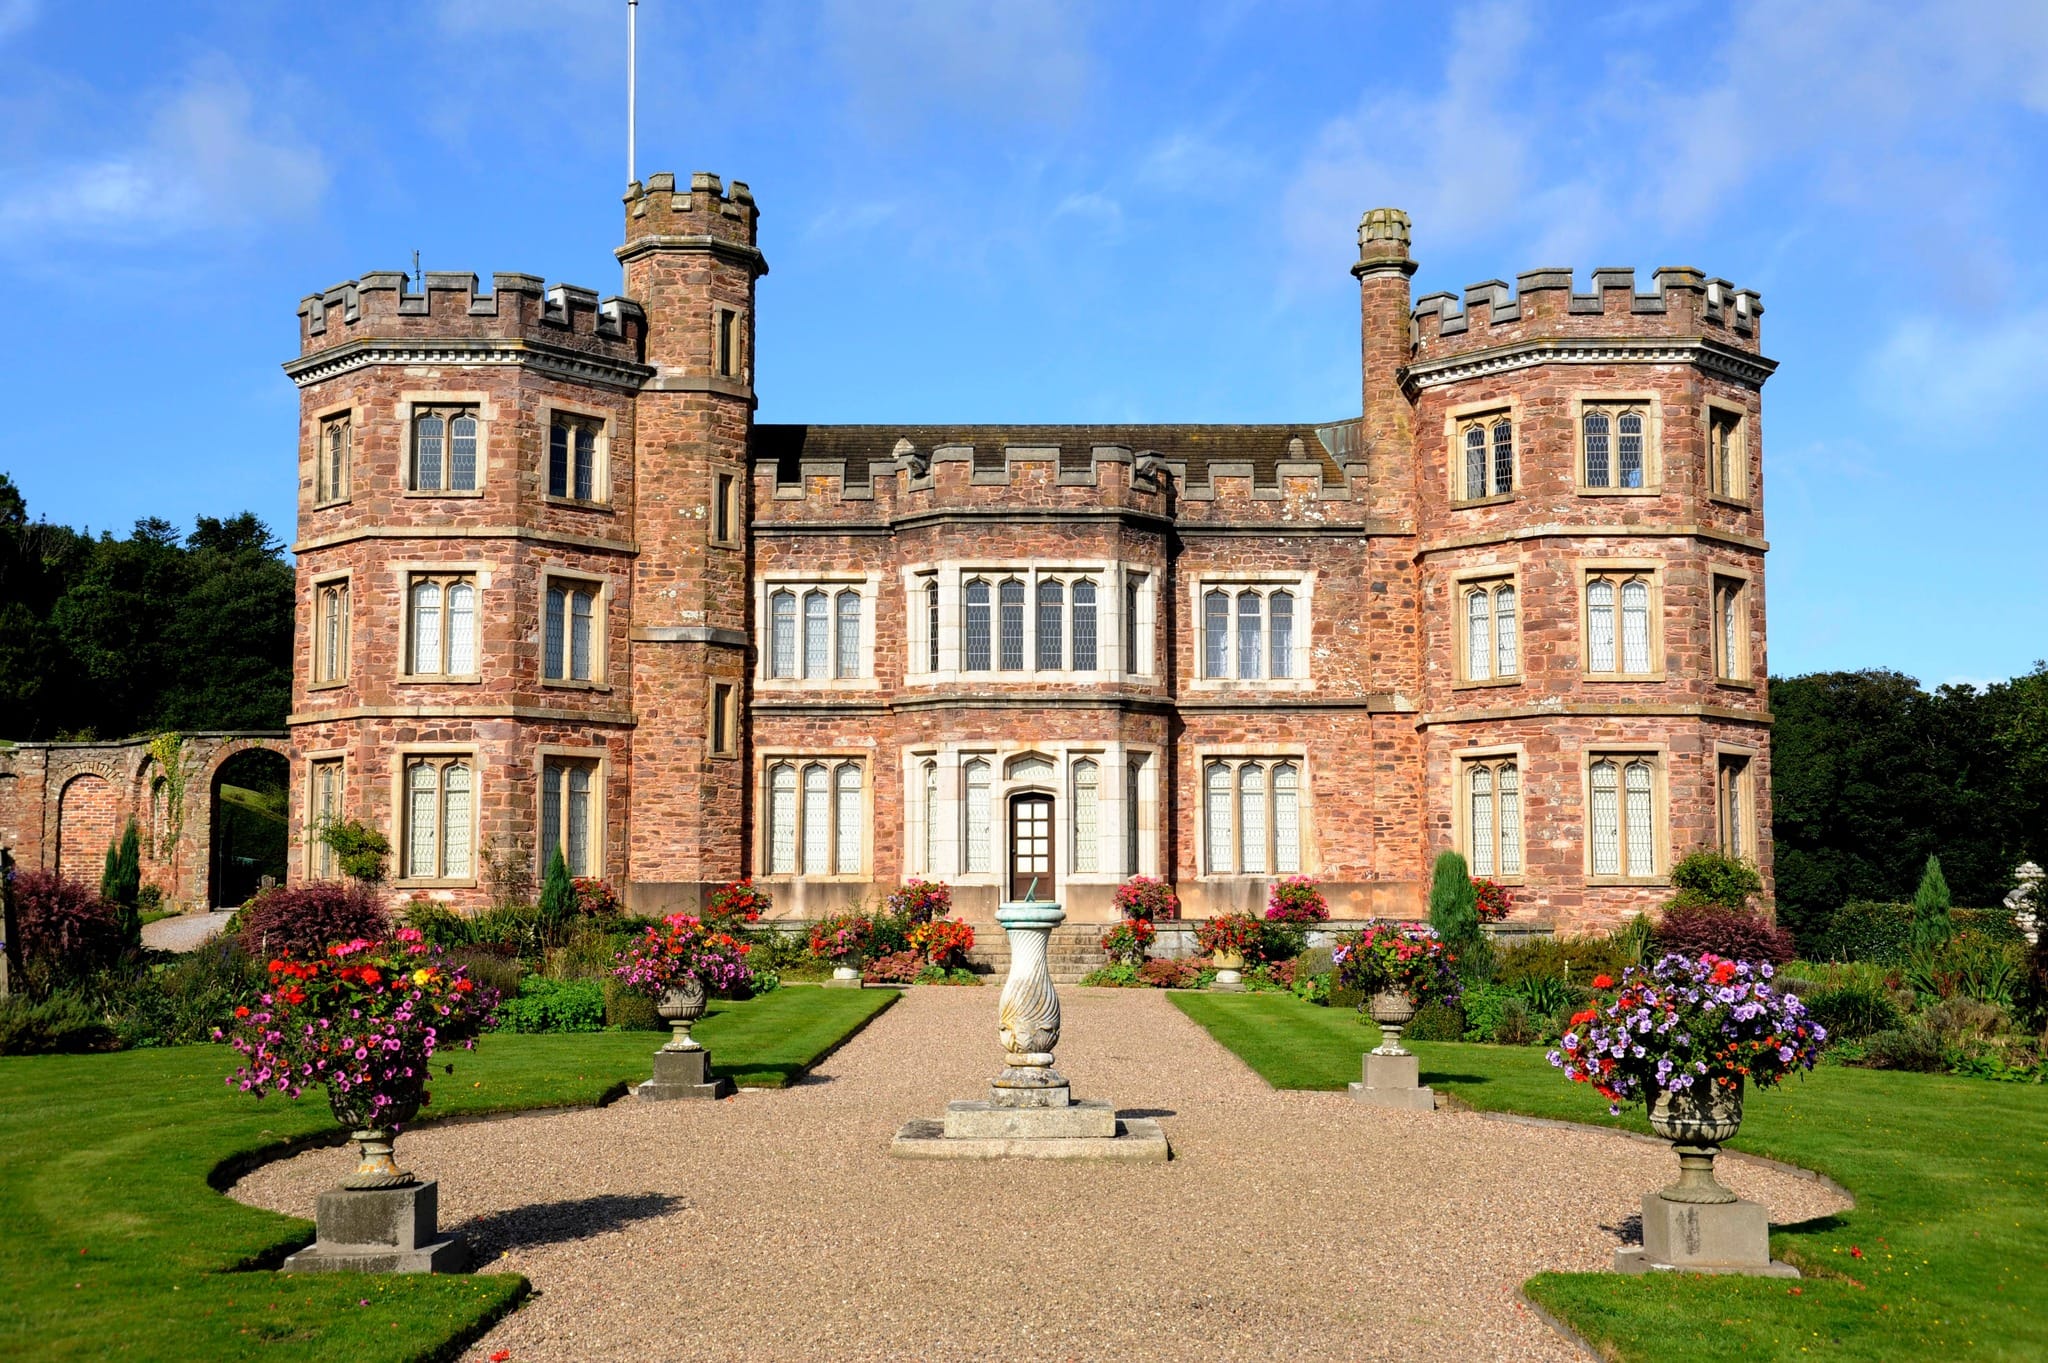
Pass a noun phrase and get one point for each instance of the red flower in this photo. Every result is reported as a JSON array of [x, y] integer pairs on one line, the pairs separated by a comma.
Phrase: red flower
[[501, 1356], [1855, 1253], [1723, 972], [1579, 1019], [1603, 982], [241, 1012]]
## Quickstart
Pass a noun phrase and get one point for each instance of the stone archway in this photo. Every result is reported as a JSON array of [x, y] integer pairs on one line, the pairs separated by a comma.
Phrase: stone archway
[[89, 810], [248, 837]]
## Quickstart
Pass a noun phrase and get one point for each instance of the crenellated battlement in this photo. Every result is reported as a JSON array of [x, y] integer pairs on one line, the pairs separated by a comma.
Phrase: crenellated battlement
[[381, 306], [1003, 466], [660, 214], [1548, 303]]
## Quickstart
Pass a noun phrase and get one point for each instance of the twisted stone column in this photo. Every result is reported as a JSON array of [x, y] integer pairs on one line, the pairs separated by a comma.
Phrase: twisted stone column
[[1028, 1016]]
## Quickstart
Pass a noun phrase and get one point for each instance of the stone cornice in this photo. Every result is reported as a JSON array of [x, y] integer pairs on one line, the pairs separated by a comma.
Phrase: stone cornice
[[1556, 532], [559, 362], [737, 252], [464, 532], [1133, 517], [688, 634], [1593, 710], [549, 713], [1710, 356]]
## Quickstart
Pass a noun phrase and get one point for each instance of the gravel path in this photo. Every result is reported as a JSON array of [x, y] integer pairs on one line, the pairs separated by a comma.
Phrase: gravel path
[[185, 931], [775, 1225]]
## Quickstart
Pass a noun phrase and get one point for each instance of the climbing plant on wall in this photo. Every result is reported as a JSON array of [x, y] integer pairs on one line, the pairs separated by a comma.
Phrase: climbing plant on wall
[[168, 749]]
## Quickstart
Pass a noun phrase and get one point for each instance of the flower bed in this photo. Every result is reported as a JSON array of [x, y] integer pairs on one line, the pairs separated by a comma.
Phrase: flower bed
[[1688, 1021]]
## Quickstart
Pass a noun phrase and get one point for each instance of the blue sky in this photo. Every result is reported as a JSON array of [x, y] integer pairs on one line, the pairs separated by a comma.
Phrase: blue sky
[[1046, 211]]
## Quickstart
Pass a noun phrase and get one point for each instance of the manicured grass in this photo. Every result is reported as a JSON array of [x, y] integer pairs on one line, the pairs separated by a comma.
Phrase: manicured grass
[[1950, 1178], [112, 1244]]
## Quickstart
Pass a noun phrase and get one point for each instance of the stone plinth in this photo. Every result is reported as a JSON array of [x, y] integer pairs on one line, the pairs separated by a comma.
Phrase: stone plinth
[[380, 1230], [683, 1074], [1031, 1112], [1394, 1081], [843, 977], [1703, 1237]]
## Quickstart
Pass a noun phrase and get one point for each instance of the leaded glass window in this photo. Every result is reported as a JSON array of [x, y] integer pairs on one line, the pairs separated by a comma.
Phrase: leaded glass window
[[976, 780], [1084, 625], [782, 634], [977, 626], [1086, 777], [847, 626], [1011, 608], [1051, 623]]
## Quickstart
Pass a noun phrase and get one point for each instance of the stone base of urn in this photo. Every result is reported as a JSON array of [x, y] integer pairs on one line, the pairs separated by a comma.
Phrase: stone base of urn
[[1394, 1081], [844, 977], [1703, 1237], [683, 1074], [380, 1230], [1031, 1112]]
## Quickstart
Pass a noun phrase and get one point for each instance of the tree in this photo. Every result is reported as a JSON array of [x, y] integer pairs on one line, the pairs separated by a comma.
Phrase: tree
[[557, 892], [121, 882], [1931, 920], [1453, 902]]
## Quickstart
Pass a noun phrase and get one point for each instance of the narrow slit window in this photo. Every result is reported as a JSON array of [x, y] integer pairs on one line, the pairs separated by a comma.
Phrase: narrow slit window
[[930, 831], [1086, 779], [931, 625], [977, 808]]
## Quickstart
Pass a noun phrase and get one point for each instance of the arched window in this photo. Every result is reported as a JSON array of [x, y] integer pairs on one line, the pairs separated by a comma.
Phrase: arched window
[[1086, 776], [1606, 819], [565, 815], [1507, 661], [1134, 641], [1286, 819], [1624, 816], [817, 819], [1052, 600], [1493, 794], [1280, 617], [1250, 646], [1216, 810], [426, 627], [782, 634], [437, 816], [1216, 634], [847, 820], [1011, 604], [848, 625], [975, 778], [429, 435], [1483, 846], [977, 627], [578, 852], [1084, 625], [817, 636], [1503, 457], [1479, 634], [931, 625], [930, 789], [461, 629], [1640, 829], [1600, 625], [1251, 815], [1635, 625], [331, 461], [462, 454], [330, 663], [782, 819], [1629, 449], [1597, 430], [1510, 819], [1475, 461]]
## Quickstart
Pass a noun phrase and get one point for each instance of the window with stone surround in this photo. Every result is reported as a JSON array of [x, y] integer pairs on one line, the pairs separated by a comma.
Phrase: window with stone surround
[[446, 450], [816, 823], [572, 636], [1731, 628], [1253, 632], [1493, 815], [571, 814], [1624, 819], [816, 632], [1042, 621], [1084, 777], [1727, 453], [727, 344], [1617, 446], [332, 459], [330, 632], [575, 444], [438, 812], [1623, 638], [1251, 816], [724, 719], [1484, 456], [725, 509], [1137, 623], [324, 796], [1735, 802], [441, 625], [1490, 640]]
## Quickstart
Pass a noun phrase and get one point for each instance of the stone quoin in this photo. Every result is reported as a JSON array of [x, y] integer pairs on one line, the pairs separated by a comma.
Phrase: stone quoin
[[558, 587]]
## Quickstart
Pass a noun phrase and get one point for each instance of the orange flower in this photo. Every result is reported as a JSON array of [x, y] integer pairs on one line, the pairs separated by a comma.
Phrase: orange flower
[[1603, 982]]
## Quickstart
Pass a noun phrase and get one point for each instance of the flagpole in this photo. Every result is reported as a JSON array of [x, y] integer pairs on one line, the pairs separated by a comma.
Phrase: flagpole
[[632, 24]]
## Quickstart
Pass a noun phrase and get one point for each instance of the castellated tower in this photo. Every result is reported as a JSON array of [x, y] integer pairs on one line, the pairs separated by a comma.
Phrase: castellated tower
[[1588, 550], [558, 589]]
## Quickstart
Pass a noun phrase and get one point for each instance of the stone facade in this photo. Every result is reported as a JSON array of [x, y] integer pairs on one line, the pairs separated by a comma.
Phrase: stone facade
[[836, 657]]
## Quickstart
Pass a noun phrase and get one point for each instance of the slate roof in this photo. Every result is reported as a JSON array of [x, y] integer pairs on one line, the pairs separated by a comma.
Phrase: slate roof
[[1263, 447]]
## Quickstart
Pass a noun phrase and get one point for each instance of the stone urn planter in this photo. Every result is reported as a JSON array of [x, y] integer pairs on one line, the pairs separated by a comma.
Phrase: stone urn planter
[[680, 1007], [1391, 1009], [374, 1132], [382, 1219], [1229, 967], [1697, 1121]]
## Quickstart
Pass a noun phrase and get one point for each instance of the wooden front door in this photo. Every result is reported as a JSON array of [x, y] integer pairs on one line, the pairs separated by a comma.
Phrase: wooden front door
[[1031, 847]]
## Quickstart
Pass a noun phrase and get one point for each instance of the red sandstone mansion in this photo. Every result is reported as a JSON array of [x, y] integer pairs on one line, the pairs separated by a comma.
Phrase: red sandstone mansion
[[558, 588]]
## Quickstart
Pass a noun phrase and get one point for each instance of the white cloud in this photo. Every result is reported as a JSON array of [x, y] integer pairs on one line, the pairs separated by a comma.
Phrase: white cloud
[[997, 60], [1962, 372], [208, 161]]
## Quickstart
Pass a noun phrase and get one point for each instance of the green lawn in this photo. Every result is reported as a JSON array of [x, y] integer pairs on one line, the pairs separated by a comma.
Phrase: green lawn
[[1950, 1177], [112, 1244]]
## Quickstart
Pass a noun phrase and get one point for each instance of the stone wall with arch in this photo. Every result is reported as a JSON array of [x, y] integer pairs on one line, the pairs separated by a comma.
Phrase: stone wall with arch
[[61, 804]]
